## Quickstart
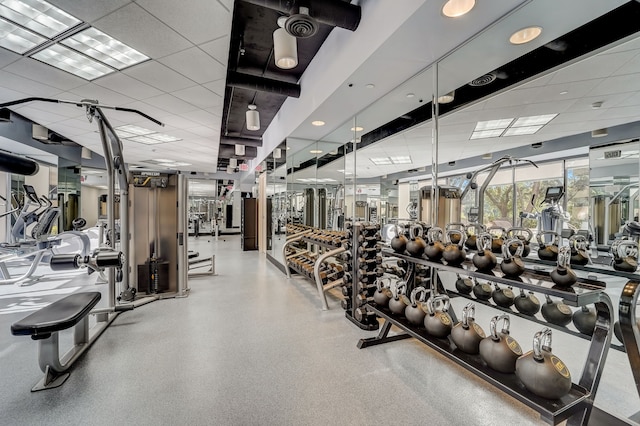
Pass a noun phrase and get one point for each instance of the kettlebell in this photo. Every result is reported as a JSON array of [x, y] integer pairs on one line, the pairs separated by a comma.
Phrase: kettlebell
[[625, 256], [464, 285], [484, 259], [482, 291], [512, 264], [381, 296], [527, 304], [523, 234], [503, 297], [579, 250], [454, 253], [499, 350], [434, 247], [437, 322], [556, 312], [547, 251], [466, 334], [471, 241], [459, 226], [413, 312], [585, 320], [541, 372], [399, 241], [416, 245], [563, 275], [497, 238], [397, 303]]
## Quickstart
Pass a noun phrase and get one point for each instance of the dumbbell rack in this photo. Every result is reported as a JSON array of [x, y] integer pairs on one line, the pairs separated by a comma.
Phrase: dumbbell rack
[[324, 252], [576, 406]]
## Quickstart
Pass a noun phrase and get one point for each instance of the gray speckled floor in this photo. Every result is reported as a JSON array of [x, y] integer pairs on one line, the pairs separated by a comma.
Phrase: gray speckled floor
[[248, 348]]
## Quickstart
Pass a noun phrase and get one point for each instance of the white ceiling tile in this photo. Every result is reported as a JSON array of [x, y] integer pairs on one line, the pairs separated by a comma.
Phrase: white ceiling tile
[[199, 96], [599, 66], [7, 95], [180, 122], [631, 67], [617, 84], [39, 116], [102, 95], [68, 131], [205, 131], [228, 4], [7, 56], [39, 71], [196, 20], [159, 76], [203, 117], [89, 10], [122, 83], [218, 48], [137, 28], [171, 103], [217, 86], [196, 65], [25, 85]]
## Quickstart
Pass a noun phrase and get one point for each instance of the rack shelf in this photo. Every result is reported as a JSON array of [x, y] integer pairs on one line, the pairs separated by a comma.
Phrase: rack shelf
[[553, 411]]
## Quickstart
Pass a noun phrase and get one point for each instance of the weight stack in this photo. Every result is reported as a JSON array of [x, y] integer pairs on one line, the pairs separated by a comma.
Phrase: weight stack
[[366, 261]]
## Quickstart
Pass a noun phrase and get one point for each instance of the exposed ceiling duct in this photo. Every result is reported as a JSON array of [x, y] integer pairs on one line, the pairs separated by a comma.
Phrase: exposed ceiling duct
[[224, 140], [262, 84], [330, 12], [228, 151]]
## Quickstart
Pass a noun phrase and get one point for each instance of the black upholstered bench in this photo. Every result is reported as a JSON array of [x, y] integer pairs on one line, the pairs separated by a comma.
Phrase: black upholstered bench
[[44, 325]]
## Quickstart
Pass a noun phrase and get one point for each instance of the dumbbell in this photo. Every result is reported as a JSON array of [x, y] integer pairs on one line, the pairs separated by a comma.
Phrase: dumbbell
[[346, 303]]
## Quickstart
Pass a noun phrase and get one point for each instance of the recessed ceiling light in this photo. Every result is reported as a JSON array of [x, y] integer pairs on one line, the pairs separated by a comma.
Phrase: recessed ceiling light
[[370, 86], [357, 129], [534, 120], [519, 131], [104, 48], [318, 123], [487, 156], [411, 95], [38, 15], [288, 148], [525, 35], [447, 98], [598, 133], [68, 60], [315, 151], [564, 92], [486, 134], [456, 8], [17, 39], [502, 123], [356, 140]]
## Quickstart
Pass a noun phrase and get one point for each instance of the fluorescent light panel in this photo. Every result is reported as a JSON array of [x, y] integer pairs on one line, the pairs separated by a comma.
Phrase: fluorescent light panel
[[502, 123], [135, 130], [534, 120], [381, 161], [519, 131], [17, 39], [68, 60], [145, 140], [104, 48], [145, 136], [486, 134], [38, 15], [387, 161], [403, 159]]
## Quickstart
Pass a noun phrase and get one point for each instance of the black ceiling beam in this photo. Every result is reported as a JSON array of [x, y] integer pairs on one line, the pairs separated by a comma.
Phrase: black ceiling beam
[[240, 141], [336, 13], [262, 84], [229, 151]]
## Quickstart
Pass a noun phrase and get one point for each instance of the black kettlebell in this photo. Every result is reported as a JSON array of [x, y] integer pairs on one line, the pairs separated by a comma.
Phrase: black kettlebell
[[459, 226], [556, 312], [397, 302], [497, 236], [585, 320], [466, 334], [579, 250], [523, 234], [503, 297], [547, 251], [416, 245], [527, 304], [464, 285], [541, 372], [499, 350], [484, 259], [512, 264], [625, 255], [437, 322], [471, 242], [454, 253], [563, 275], [399, 241], [482, 291], [413, 312], [382, 295], [434, 247]]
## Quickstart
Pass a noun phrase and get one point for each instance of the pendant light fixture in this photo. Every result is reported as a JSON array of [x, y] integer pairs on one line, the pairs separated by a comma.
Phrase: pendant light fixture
[[253, 118], [285, 47], [240, 150]]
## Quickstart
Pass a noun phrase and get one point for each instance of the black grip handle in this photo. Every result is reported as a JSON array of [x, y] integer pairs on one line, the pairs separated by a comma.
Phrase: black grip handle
[[109, 259], [64, 262]]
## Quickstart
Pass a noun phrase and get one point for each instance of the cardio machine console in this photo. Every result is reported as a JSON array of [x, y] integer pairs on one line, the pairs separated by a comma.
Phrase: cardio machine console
[[31, 193], [553, 194]]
